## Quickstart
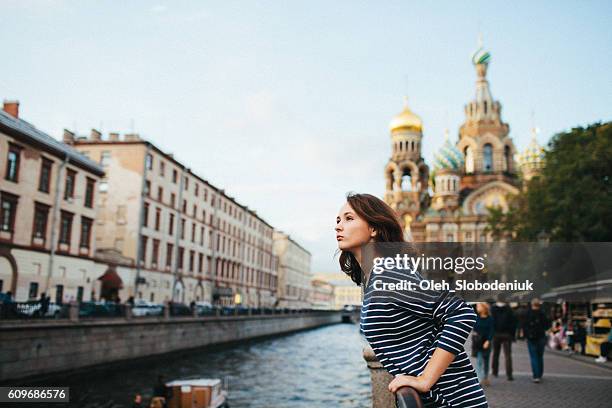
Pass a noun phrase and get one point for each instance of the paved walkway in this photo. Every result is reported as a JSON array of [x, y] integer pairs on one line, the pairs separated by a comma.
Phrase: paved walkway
[[567, 382]]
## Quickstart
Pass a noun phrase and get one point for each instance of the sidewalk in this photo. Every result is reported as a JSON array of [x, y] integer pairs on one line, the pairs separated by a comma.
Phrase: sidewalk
[[568, 381], [584, 359]]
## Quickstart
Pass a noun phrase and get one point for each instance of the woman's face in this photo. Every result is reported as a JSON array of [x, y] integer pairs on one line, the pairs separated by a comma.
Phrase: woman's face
[[352, 231]]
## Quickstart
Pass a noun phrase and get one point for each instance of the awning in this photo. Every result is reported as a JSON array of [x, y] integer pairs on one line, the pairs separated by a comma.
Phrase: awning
[[111, 279], [220, 291]]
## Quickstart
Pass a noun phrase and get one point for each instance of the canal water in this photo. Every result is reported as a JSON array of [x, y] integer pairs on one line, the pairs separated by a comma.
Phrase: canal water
[[321, 367]]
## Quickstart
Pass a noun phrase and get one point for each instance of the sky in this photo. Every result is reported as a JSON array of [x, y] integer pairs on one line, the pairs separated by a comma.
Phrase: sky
[[286, 105]]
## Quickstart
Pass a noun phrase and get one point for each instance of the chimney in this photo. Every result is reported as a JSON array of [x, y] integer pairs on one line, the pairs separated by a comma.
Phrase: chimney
[[68, 137], [11, 107], [132, 137], [113, 137], [96, 136]]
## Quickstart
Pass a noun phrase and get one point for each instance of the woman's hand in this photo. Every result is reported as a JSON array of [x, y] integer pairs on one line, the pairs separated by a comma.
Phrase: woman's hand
[[485, 345], [418, 383]]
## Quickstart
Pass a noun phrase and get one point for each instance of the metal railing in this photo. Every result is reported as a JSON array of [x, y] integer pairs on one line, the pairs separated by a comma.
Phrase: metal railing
[[34, 310]]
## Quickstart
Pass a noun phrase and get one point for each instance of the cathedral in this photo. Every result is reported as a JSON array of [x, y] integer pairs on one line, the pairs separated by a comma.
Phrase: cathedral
[[448, 202]]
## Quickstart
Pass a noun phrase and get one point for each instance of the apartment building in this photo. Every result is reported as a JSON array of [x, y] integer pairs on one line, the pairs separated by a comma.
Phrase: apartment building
[[193, 241], [294, 275], [47, 214]]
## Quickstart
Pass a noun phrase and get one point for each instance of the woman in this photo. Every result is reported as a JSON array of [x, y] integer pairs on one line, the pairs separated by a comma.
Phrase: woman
[[418, 337], [481, 341]]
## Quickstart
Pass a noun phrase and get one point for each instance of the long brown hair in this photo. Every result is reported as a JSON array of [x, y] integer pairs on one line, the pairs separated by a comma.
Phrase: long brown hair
[[379, 216]]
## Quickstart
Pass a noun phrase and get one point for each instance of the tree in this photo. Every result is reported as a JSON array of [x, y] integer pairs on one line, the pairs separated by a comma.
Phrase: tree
[[571, 199]]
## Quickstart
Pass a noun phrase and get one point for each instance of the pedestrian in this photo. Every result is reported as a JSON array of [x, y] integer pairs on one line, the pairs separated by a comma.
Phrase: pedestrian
[[137, 403], [505, 331], [44, 304], [536, 325], [431, 359], [482, 337], [604, 349]]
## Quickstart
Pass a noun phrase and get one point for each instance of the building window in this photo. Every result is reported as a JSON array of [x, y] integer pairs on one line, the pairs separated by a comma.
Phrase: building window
[[80, 291], [200, 262], [147, 191], [145, 218], [157, 219], [172, 199], [69, 185], [33, 292], [171, 225], [7, 212], [174, 176], [201, 236], [191, 261], [160, 194], [89, 192], [44, 181], [12, 163], [162, 169], [143, 249], [169, 248], [507, 158], [186, 182], [59, 294], [181, 254], [149, 161], [488, 157], [193, 231], [155, 252], [41, 215], [105, 158], [182, 228], [86, 224], [65, 227], [197, 189]]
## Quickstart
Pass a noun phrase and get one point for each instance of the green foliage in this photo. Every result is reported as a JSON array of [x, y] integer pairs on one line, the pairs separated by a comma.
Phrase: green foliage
[[571, 199]]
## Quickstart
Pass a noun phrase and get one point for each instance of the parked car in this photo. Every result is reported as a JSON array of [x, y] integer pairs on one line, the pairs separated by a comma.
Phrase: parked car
[[145, 308], [100, 309], [204, 308], [179, 309]]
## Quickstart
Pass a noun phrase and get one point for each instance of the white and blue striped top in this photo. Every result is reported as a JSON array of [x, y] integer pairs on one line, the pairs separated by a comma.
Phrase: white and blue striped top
[[404, 327]]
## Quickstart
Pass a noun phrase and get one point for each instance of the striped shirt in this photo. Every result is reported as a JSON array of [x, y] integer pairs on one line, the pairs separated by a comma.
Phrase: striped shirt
[[405, 326]]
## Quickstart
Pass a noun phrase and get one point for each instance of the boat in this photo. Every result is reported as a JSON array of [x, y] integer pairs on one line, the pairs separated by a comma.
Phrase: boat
[[196, 393]]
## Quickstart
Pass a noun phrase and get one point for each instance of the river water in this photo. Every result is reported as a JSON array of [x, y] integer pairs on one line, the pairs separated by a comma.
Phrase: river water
[[321, 367]]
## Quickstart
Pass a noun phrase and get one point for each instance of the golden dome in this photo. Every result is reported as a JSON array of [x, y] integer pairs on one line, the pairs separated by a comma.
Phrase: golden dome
[[406, 119]]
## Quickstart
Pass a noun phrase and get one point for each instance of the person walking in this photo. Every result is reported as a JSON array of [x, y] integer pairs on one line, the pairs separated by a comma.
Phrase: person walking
[[536, 325], [482, 337], [605, 349], [505, 331]]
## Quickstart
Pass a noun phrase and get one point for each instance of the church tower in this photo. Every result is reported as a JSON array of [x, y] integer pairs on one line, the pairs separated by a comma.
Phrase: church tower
[[406, 173], [484, 138]]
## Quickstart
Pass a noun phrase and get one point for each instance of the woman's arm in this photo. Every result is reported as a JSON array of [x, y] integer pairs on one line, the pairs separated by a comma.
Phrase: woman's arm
[[436, 366], [456, 318]]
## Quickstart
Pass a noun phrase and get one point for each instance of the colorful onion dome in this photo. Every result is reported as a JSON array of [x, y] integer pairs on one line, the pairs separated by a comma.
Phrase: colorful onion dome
[[448, 156], [533, 155]]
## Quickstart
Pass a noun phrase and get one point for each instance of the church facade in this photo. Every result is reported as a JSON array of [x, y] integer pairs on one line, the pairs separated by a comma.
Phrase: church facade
[[449, 201]]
